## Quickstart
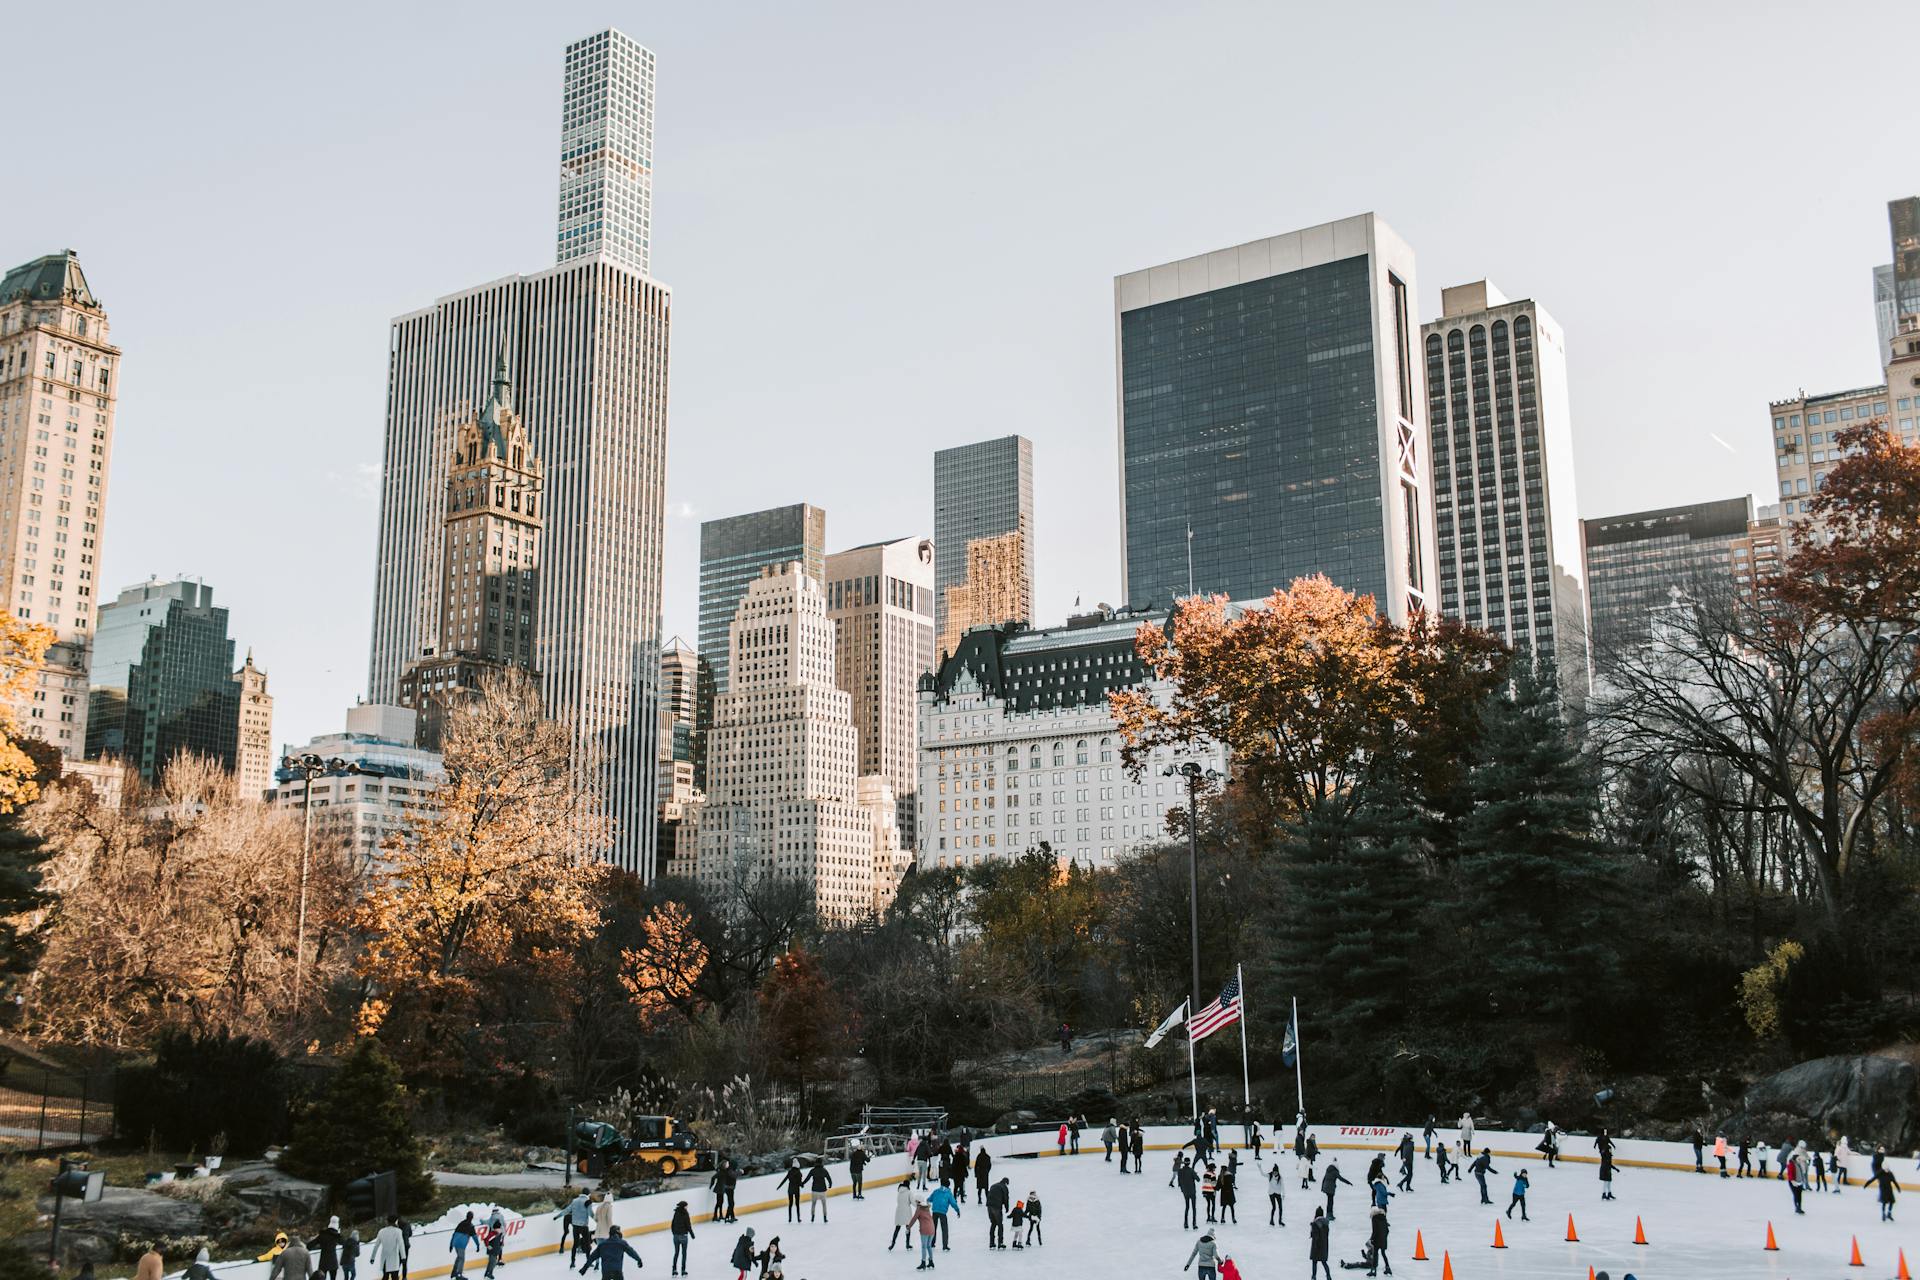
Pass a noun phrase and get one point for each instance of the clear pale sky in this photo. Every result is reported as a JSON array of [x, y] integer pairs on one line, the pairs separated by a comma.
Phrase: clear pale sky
[[894, 227]]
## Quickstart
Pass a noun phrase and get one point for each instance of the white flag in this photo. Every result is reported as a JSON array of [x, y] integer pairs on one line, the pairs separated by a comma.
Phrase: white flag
[[1174, 1019]]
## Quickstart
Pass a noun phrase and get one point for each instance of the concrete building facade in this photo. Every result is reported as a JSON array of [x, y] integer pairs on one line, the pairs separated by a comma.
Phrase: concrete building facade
[[253, 760], [1019, 752], [1805, 445], [782, 795], [1505, 516], [1271, 420], [354, 815], [59, 387], [982, 535], [880, 601]]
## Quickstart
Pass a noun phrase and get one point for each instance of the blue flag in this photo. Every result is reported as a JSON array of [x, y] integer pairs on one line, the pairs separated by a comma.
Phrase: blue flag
[[1290, 1047]]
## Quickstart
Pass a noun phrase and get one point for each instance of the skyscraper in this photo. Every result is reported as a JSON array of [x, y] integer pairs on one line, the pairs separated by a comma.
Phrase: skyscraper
[[1505, 524], [1270, 414], [1635, 563], [1896, 286], [783, 799], [253, 758], [880, 601], [733, 552], [606, 151], [1805, 445], [162, 680], [982, 536], [586, 352], [59, 382]]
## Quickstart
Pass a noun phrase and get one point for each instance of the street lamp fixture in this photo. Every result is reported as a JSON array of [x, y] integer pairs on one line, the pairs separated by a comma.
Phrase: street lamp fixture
[[1195, 773], [310, 766]]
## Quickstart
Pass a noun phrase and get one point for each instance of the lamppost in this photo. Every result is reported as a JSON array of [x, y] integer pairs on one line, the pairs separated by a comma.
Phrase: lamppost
[[1195, 774], [309, 767]]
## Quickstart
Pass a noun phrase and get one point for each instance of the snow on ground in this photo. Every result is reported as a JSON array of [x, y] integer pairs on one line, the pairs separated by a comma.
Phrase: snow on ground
[[1101, 1224]]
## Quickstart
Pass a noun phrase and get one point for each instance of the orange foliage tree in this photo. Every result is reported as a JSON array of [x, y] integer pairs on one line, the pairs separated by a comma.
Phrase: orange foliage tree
[[1313, 692], [22, 645], [663, 971]]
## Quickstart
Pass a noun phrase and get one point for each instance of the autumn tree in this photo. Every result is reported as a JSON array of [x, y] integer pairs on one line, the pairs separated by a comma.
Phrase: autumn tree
[[477, 915], [662, 973], [178, 910], [22, 645], [804, 1021], [1314, 692]]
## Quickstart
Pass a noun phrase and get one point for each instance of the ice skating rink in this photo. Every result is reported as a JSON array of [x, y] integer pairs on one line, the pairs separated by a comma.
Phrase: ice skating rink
[[1102, 1225]]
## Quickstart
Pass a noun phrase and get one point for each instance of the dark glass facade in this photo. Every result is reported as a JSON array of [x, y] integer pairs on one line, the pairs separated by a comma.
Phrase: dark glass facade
[[1636, 562], [981, 490], [162, 679], [1250, 415]]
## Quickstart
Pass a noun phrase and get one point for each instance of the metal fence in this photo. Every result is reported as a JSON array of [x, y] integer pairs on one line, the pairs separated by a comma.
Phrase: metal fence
[[43, 1110]]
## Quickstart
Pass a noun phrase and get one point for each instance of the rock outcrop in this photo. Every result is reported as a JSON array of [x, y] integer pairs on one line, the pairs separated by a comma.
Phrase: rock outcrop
[[1869, 1099]]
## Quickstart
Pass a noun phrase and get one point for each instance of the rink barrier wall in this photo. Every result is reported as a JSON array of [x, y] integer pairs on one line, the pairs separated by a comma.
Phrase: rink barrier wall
[[653, 1214]]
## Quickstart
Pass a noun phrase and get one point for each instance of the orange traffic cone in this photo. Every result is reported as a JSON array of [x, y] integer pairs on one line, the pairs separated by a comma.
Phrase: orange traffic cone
[[1420, 1248], [1856, 1254], [1499, 1240], [1573, 1237], [1446, 1265], [1589, 1271], [1639, 1232], [1903, 1273], [1772, 1247]]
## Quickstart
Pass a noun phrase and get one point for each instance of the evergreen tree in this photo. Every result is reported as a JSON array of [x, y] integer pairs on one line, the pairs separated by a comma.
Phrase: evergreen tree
[[359, 1125], [1537, 891]]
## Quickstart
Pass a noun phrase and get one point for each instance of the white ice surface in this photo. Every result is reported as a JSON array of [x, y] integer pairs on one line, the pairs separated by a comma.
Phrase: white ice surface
[[1100, 1224]]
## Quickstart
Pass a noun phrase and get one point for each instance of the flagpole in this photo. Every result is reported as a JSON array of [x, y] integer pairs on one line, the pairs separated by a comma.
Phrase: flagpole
[[1299, 1089], [1246, 1080], [1193, 1081]]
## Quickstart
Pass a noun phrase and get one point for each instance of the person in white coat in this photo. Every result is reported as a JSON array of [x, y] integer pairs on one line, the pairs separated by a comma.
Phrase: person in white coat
[[1466, 1133], [1842, 1157], [903, 1212], [389, 1255]]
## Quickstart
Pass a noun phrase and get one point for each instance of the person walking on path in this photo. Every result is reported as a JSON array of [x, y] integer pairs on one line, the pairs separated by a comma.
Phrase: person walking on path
[[922, 1224], [389, 1252], [1033, 1219], [942, 1203], [1207, 1254], [1482, 1166], [742, 1259], [1520, 1181], [1606, 1172], [1888, 1187], [682, 1230], [1330, 1182], [1227, 1198], [465, 1236], [1107, 1136], [1317, 1232], [1276, 1196], [611, 1253], [818, 1181], [1139, 1145], [857, 1171], [1720, 1152], [998, 1199]]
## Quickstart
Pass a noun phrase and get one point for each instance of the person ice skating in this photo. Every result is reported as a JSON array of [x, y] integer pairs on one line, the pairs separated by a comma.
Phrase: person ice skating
[[1317, 1232], [742, 1259], [1482, 1166], [1377, 1168], [818, 1181], [1745, 1169], [998, 1201], [1075, 1124], [681, 1229], [1796, 1175], [962, 1162], [1842, 1158], [794, 1179], [389, 1252], [1184, 1178], [291, 1263], [1377, 1217], [1550, 1143], [1033, 1219], [922, 1225], [724, 1179], [1879, 1159], [1225, 1185], [1018, 1221], [982, 1165], [1107, 1136], [1819, 1162], [1426, 1136], [611, 1254], [1255, 1141], [903, 1205], [200, 1269], [1330, 1182], [923, 1157], [1229, 1269], [577, 1234], [1699, 1147], [1406, 1163], [1444, 1164], [1785, 1154], [1207, 1254], [1466, 1133], [1125, 1138], [1276, 1195], [495, 1237], [857, 1169], [327, 1241], [1209, 1189], [1606, 1172], [1519, 1201], [1139, 1145], [1720, 1152], [1060, 1139], [1762, 1147], [770, 1259], [1377, 1192], [465, 1236], [942, 1203], [1313, 1154], [1888, 1188], [349, 1259]]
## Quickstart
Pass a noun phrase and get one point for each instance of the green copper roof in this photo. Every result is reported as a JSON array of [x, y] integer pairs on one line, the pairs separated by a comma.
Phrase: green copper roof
[[51, 277], [499, 400]]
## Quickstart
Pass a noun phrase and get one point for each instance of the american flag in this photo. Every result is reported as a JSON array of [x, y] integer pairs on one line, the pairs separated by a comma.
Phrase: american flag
[[1223, 1012]]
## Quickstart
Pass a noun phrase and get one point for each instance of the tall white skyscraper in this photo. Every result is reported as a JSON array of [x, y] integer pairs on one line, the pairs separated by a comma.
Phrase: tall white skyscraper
[[606, 150], [585, 344]]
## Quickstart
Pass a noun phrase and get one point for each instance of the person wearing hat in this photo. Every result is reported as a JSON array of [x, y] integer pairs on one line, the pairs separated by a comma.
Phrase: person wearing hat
[[291, 1263], [923, 1224], [1033, 1219], [1018, 1220], [742, 1259], [682, 1231], [1207, 1254], [1317, 1232], [200, 1270], [770, 1258], [327, 1241], [350, 1256], [464, 1237], [609, 1253], [495, 1239]]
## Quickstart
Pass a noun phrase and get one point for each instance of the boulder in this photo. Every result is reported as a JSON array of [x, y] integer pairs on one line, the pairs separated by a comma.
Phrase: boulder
[[1869, 1099], [78, 1245], [276, 1192], [1016, 1122], [133, 1210]]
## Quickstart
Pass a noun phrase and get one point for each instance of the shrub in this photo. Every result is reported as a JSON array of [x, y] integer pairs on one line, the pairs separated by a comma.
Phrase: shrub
[[360, 1124], [203, 1089]]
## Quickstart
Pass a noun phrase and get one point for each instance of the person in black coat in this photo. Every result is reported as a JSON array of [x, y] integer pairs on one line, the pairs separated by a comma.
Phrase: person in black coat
[[998, 1197], [818, 1180], [1317, 1245], [1183, 1177], [962, 1162], [856, 1172], [982, 1165], [1379, 1242], [1606, 1172], [742, 1259], [1482, 1166], [1139, 1146], [681, 1229], [1225, 1184], [1330, 1182], [793, 1180], [327, 1241]]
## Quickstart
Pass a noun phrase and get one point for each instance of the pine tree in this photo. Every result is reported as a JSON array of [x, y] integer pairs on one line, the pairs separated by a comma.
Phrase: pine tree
[[359, 1125], [1537, 900]]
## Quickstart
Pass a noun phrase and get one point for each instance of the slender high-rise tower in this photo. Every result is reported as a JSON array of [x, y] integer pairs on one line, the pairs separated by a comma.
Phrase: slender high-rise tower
[[982, 536], [586, 354], [606, 151]]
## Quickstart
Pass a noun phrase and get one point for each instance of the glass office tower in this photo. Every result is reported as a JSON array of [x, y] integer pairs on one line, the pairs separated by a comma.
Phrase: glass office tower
[[162, 680]]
